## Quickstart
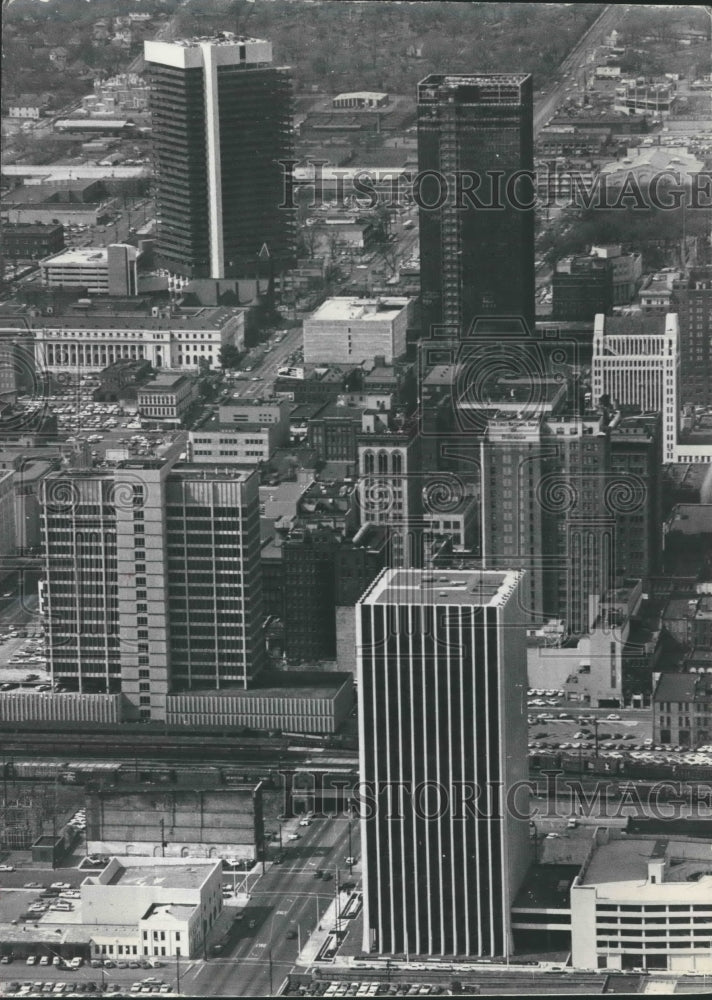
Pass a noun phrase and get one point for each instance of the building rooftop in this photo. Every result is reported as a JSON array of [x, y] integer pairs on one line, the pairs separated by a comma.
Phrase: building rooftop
[[182, 876], [204, 318], [163, 381], [639, 325], [547, 886], [343, 308], [177, 911], [691, 519], [88, 256], [464, 588], [621, 866], [290, 684], [686, 686]]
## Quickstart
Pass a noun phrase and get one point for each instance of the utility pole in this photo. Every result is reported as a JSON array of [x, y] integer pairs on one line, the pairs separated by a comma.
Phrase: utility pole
[[271, 989], [163, 838], [177, 973]]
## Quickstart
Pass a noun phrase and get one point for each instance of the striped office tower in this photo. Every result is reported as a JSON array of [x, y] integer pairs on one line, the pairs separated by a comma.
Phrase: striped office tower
[[443, 737]]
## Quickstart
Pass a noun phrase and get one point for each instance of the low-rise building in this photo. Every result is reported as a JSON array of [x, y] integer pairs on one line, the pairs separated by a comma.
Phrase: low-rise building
[[87, 338], [30, 241], [166, 397], [643, 902], [152, 907], [360, 99], [682, 708], [111, 270]]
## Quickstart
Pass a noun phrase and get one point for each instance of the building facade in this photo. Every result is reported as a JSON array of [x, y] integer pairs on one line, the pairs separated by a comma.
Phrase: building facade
[[643, 903], [108, 270], [125, 557], [682, 706], [636, 362], [692, 301], [181, 341], [347, 331], [476, 261], [441, 687], [221, 118]]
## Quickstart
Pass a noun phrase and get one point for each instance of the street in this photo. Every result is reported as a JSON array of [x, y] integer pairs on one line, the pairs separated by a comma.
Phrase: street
[[288, 898]]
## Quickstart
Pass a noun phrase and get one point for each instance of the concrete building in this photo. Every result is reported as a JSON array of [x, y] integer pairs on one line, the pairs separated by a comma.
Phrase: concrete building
[[636, 362], [682, 705], [643, 902], [294, 702], [597, 678], [108, 270], [152, 907], [441, 688], [86, 340], [151, 540], [637, 97], [348, 331], [175, 822], [166, 397], [217, 101], [241, 432]]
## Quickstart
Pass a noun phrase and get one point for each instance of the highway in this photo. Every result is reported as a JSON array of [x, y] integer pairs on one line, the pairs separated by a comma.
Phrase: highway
[[287, 898]]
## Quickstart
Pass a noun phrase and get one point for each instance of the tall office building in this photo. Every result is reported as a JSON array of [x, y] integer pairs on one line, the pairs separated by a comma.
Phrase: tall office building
[[692, 301], [221, 117], [442, 726], [152, 580], [636, 362], [476, 132]]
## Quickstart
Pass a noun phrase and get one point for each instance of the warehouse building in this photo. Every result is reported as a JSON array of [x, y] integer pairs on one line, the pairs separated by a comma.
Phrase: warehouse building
[[176, 822]]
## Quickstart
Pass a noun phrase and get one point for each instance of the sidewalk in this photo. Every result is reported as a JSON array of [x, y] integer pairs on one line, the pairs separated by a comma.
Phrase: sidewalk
[[308, 954]]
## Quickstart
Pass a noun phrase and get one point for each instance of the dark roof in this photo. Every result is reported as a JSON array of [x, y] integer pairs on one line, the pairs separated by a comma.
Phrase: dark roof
[[676, 687]]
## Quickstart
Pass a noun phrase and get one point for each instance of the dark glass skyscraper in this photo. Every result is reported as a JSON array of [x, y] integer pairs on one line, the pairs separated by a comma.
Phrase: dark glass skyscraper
[[221, 116], [475, 133]]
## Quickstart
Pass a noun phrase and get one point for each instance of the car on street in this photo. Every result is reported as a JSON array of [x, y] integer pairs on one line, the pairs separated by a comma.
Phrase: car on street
[[7, 868]]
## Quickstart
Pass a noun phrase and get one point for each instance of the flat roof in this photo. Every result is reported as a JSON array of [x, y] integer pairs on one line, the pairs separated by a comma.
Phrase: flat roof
[[162, 381], [179, 911], [188, 876], [547, 887], [367, 310], [95, 256], [621, 866], [302, 684], [463, 588], [204, 318]]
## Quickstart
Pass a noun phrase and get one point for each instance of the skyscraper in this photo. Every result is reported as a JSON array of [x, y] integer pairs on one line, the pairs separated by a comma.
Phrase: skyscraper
[[443, 739], [221, 123], [475, 132], [152, 580]]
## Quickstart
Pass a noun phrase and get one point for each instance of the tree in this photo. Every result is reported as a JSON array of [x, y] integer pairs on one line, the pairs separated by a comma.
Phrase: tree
[[230, 356]]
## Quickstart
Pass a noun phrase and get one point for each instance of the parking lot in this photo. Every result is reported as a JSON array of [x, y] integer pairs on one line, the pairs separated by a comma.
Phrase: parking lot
[[557, 726]]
